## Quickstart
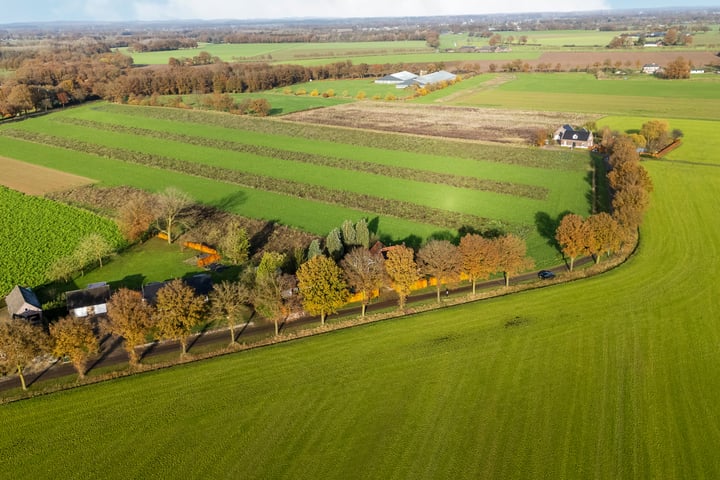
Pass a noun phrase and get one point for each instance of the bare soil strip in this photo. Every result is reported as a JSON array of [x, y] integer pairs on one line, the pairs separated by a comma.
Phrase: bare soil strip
[[469, 123], [37, 180]]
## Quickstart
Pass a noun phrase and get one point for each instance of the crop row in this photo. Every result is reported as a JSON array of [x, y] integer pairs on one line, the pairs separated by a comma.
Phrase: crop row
[[36, 231], [459, 181], [388, 141], [363, 202]]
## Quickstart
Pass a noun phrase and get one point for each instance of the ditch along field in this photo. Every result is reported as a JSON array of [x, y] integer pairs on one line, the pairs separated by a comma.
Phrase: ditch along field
[[614, 376], [313, 177]]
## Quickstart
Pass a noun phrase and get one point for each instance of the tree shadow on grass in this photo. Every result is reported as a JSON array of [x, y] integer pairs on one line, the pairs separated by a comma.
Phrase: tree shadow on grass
[[547, 226], [230, 202]]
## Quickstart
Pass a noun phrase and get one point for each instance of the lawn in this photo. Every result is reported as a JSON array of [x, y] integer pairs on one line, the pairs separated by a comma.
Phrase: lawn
[[700, 141], [610, 377], [152, 261]]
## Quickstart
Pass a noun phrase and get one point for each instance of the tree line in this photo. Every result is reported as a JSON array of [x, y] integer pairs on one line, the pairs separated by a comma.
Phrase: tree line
[[605, 233]]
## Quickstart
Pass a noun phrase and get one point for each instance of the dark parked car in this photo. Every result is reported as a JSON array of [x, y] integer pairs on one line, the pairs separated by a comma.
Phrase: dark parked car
[[546, 274]]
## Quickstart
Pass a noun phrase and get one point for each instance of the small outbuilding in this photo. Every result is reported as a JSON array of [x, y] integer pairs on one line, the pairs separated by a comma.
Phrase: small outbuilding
[[23, 303], [88, 301], [650, 68]]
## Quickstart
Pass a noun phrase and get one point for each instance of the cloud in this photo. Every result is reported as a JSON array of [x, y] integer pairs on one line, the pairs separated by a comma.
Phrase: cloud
[[222, 9]]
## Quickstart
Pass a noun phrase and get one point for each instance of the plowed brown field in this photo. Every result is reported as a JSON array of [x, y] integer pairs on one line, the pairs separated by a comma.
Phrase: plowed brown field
[[491, 125]]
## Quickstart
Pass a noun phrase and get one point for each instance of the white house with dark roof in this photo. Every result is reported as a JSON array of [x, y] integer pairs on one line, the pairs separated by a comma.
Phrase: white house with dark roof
[[567, 136], [88, 301]]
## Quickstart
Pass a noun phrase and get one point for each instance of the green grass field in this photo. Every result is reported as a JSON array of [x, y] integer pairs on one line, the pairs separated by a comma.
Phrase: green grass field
[[315, 54], [610, 377], [696, 98], [566, 183]]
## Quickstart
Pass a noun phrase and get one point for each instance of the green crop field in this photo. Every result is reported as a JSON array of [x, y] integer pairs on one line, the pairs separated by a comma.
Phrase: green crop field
[[548, 40], [297, 53], [347, 88], [610, 377], [280, 103], [34, 232], [696, 98], [315, 54], [311, 177]]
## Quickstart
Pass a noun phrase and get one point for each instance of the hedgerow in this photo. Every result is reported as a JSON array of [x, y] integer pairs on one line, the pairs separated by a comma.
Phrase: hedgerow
[[35, 232], [388, 141], [363, 202], [460, 181]]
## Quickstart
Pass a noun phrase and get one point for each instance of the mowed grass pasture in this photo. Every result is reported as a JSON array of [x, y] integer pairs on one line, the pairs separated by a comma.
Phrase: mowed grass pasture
[[610, 377], [639, 95], [381, 169]]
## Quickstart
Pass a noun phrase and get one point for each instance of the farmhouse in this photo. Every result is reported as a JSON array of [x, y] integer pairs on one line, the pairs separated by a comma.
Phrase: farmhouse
[[429, 79], [650, 68], [567, 136], [88, 301], [23, 303], [396, 78], [201, 283]]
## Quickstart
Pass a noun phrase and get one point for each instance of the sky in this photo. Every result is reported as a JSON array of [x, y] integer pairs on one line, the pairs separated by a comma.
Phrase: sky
[[150, 10]]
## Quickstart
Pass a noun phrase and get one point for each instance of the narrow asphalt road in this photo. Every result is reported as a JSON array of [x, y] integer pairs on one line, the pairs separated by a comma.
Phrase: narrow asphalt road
[[112, 352]]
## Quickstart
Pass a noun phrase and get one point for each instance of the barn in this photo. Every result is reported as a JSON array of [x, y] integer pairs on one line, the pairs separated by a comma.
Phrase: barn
[[23, 303]]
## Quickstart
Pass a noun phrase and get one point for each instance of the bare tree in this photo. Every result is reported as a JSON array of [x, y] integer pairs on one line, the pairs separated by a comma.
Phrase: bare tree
[[171, 205], [228, 300]]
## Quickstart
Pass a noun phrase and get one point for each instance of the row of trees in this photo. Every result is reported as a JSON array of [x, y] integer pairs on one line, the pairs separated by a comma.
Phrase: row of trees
[[604, 233], [177, 312]]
